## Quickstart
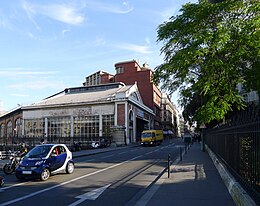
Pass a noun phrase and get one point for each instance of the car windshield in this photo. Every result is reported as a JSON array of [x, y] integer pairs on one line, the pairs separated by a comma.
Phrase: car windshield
[[146, 135], [39, 151]]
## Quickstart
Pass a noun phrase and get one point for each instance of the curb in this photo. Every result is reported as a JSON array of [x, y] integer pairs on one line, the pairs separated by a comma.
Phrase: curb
[[239, 195]]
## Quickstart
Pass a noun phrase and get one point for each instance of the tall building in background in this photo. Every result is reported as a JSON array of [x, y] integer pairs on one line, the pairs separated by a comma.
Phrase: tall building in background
[[130, 72], [170, 117]]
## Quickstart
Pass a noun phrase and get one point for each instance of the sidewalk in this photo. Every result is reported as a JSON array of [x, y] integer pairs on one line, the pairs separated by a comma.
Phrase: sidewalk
[[193, 181]]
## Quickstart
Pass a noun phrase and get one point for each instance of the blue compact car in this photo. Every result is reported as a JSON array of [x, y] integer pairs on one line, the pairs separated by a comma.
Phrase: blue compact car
[[44, 160]]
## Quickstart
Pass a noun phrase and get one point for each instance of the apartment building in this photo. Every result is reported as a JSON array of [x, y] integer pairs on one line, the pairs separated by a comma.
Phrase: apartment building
[[170, 117], [130, 72]]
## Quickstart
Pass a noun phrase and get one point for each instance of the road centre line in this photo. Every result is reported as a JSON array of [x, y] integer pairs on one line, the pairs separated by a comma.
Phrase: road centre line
[[67, 182]]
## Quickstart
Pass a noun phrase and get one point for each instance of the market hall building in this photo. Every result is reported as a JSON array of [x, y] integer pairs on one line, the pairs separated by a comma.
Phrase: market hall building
[[113, 111]]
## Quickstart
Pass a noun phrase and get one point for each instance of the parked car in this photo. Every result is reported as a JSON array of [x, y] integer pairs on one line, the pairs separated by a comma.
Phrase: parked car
[[44, 160]]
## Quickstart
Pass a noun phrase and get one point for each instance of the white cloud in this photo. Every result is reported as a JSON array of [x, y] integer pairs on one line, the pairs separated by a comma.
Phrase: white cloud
[[66, 13], [18, 72], [124, 8], [37, 85], [134, 47], [64, 31]]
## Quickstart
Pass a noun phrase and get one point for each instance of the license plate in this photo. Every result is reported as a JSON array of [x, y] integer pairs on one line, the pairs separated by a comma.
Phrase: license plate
[[27, 172]]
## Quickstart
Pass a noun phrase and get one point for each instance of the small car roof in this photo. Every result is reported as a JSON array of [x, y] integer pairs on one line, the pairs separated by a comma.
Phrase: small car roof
[[52, 144]]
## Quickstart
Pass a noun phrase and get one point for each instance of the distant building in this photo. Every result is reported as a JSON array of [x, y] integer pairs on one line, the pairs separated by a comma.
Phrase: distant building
[[250, 97], [99, 77], [170, 117], [130, 72], [84, 114]]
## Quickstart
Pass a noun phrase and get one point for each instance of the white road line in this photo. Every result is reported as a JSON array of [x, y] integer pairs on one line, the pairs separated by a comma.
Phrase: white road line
[[149, 152], [16, 185], [64, 183]]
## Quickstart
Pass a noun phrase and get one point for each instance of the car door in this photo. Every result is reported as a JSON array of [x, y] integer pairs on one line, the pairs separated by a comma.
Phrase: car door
[[58, 158]]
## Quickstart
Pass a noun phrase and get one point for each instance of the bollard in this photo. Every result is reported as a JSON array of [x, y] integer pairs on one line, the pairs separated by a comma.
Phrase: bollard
[[180, 153], [169, 164]]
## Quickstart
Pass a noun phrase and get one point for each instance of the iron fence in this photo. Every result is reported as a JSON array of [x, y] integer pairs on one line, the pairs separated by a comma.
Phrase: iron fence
[[71, 142], [237, 143]]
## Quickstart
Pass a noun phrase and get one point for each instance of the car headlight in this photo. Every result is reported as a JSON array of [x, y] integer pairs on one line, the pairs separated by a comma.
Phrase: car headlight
[[38, 163]]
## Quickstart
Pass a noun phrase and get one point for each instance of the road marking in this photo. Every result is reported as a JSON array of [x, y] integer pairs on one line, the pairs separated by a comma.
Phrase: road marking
[[67, 182], [92, 195], [149, 152], [16, 185]]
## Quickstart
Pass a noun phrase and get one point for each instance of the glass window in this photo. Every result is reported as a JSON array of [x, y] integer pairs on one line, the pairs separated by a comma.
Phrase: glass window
[[107, 123], [2, 133], [34, 127], [119, 69], [2, 130], [9, 129], [59, 127], [18, 127], [87, 126]]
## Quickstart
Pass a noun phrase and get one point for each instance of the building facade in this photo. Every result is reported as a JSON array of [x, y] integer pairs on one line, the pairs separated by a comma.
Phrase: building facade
[[130, 72], [85, 114], [170, 117]]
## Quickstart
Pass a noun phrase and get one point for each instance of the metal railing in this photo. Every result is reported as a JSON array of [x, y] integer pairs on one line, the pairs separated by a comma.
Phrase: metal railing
[[237, 143], [84, 142]]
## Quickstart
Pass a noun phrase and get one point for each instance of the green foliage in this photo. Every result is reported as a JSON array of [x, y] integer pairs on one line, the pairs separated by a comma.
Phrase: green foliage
[[208, 49]]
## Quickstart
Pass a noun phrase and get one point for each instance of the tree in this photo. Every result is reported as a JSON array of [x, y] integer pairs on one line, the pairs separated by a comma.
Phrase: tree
[[208, 49]]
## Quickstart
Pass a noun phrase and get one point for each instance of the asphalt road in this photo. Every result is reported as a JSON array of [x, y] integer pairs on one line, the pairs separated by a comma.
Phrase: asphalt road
[[119, 177]]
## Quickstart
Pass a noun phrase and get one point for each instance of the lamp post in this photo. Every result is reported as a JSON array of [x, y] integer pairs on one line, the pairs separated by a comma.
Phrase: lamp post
[[202, 127]]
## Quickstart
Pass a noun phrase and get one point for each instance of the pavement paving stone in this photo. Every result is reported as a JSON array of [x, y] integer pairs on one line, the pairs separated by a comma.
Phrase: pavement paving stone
[[193, 181]]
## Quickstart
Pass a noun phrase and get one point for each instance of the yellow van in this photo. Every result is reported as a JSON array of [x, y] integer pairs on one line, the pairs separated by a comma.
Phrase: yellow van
[[152, 137]]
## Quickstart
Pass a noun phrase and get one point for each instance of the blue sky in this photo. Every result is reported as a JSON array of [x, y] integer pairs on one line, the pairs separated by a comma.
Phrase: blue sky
[[47, 46]]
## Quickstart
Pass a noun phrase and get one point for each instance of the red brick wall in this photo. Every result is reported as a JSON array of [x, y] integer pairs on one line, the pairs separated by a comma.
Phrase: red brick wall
[[121, 114], [107, 78], [133, 73]]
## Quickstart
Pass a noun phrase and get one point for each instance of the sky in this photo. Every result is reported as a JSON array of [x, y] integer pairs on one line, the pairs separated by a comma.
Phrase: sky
[[47, 46]]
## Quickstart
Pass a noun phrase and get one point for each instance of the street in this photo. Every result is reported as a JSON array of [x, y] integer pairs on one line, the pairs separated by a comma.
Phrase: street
[[119, 177]]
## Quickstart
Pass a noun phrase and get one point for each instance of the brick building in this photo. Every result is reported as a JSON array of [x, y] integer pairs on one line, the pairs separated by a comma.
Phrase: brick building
[[130, 72]]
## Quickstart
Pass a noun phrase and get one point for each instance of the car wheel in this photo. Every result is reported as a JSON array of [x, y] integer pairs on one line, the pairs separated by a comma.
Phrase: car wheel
[[70, 168], [45, 174], [8, 169]]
